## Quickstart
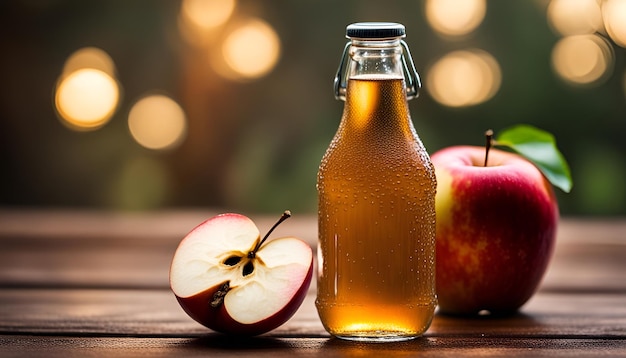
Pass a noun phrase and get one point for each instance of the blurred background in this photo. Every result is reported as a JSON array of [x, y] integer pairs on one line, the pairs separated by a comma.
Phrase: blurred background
[[154, 104]]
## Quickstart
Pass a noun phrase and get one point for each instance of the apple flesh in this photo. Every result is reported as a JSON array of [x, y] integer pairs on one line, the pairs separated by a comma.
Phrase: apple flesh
[[495, 231], [230, 281]]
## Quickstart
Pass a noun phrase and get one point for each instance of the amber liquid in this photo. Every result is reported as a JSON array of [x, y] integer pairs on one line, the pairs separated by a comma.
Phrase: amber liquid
[[376, 189]]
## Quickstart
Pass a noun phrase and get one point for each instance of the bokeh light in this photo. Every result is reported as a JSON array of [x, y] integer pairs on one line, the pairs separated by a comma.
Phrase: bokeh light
[[86, 99], [464, 78], [614, 14], [89, 57], [199, 19], [575, 17], [207, 14], [583, 59], [250, 50], [157, 122], [453, 17]]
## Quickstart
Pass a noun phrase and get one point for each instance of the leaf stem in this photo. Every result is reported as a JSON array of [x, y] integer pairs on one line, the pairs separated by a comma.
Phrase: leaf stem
[[488, 144]]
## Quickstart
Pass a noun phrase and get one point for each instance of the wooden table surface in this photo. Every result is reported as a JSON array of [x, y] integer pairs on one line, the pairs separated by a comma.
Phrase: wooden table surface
[[92, 284]]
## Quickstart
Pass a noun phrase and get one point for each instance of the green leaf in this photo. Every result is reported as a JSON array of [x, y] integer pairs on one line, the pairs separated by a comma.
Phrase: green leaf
[[540, 148]]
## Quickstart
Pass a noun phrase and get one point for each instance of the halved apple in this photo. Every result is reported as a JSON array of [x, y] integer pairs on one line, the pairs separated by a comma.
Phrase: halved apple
[[228, 279]]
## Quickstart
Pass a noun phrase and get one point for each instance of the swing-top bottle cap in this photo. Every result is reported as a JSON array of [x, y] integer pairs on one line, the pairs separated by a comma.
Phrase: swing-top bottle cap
[[375, 30]]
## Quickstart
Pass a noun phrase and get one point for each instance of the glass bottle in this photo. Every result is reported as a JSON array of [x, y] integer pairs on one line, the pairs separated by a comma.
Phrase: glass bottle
[[376, 198]]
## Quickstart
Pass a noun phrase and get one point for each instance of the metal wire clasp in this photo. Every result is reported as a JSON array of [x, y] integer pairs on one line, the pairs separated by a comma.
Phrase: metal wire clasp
[[411, 77]]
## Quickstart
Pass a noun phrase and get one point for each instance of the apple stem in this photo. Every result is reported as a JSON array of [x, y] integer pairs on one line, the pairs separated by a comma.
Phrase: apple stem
[[286, 215], [488, 144]]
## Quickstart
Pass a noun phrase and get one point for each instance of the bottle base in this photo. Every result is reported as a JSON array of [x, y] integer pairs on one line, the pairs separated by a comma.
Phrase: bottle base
[[376, 322], [376, 337]]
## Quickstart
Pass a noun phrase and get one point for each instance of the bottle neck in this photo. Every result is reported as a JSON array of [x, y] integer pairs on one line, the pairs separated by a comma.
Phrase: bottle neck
[[376, 100], [388, 57], [380, 59]]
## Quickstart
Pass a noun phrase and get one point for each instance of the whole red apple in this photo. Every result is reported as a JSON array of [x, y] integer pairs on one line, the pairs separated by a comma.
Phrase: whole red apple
[[228, 279], [496, 228]]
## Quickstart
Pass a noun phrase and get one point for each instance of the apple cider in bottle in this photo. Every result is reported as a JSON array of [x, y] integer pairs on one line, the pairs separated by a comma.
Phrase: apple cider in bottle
[[376, 196]]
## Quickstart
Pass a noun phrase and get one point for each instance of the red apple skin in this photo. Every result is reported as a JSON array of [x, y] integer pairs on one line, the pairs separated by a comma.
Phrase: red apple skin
[[198, 307], [495, 232]]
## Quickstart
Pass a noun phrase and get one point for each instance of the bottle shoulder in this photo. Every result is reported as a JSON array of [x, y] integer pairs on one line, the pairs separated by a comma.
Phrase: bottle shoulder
[[346, 154]]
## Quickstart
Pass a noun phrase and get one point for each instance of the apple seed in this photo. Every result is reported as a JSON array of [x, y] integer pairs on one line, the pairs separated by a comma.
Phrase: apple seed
[[232, 261], [248, 268]]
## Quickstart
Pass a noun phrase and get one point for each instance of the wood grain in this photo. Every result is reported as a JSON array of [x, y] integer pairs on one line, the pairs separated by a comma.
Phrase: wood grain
[[155, 313], [95, 284]]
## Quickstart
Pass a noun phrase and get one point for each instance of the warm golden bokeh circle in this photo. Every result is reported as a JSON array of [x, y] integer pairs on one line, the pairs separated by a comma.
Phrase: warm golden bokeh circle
[[454, 17], [89, 57], [87, 98], [464, 78], [574, 17], [583, 59], [614, 15], [157, 122], [251, 49]]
